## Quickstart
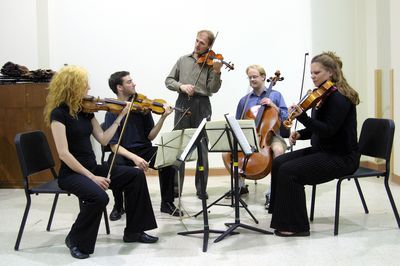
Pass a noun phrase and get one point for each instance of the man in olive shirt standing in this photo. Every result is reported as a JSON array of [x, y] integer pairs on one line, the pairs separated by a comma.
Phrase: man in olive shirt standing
[[195, 83]]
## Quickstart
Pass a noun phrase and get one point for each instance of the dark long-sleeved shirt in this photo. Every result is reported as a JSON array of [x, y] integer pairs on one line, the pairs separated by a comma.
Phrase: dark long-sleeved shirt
[[333, 127]]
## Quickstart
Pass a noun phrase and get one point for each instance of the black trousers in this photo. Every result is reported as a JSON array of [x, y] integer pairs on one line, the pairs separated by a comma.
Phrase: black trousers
[[166, 175], [93, 199], [290, 172], [200, 107]]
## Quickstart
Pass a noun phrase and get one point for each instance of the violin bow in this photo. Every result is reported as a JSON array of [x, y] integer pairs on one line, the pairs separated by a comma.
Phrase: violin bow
[[302, 84], [301, 93], [120, 137]]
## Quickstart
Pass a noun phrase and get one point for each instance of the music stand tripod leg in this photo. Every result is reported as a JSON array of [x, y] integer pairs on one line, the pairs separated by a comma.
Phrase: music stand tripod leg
[[214, 203], [237, 223], [206, 229]]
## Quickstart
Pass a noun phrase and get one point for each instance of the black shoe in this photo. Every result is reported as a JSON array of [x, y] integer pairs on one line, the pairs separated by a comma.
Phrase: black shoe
[[294, 234], [244, 190], [170, 208], [75, 252], [266, 202], [116, 214], [199, 195], [139, 237]]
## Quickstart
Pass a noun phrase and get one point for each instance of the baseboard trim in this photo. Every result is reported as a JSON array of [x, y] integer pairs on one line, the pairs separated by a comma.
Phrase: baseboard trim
[[192, 171], [396, 178]]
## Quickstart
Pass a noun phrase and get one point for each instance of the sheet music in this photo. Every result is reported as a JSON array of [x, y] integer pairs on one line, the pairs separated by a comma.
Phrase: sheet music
[[189, 146], [218, 139], [241, 138], [171, 145]]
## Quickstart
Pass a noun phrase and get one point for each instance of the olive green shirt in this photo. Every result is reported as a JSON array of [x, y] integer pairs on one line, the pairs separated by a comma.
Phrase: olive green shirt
[[186, 71]]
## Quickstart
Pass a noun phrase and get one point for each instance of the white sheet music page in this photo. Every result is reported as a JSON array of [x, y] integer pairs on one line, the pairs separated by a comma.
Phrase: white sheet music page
[[196, 134], [241, 138]]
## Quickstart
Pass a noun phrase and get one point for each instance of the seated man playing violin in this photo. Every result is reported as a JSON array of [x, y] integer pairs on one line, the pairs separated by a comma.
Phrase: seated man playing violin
[[261, 95], [135, 147]]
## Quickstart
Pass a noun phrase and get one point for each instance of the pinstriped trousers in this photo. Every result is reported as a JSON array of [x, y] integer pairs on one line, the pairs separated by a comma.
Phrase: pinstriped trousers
[[290, 172]]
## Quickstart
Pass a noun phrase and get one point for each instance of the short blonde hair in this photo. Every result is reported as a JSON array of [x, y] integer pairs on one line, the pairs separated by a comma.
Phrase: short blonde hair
[[259, 68]]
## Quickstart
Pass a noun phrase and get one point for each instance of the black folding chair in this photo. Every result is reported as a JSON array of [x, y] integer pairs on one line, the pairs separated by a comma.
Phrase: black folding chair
[[376, 140], [35, 156]]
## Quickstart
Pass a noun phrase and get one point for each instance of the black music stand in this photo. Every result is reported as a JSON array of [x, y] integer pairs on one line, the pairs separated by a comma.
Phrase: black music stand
[[198, 141], [220, 140], [238, 138]]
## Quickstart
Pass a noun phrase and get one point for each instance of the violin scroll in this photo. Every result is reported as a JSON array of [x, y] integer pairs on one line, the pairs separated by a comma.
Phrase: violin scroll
[[275, 78]]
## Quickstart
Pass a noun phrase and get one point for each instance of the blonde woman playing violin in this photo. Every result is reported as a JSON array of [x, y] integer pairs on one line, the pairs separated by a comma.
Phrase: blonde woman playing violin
[[135, 147], [79, 172]]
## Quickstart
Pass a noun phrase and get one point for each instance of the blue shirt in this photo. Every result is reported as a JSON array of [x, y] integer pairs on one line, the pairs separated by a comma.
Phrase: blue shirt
[[275, 96]]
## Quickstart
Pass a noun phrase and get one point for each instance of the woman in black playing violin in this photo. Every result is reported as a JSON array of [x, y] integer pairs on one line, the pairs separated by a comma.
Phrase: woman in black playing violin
[[332, 129], [79, 172]]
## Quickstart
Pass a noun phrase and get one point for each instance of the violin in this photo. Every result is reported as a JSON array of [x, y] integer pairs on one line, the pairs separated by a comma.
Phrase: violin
[[140, 104], [258, 165], [91, 104], [156, 106], [208, 57], [310, 100]]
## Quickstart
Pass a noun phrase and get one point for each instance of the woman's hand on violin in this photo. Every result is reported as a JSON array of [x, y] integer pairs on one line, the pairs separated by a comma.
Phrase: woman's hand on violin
[[141, 163], [293, 137], [188, 89], [295, 111], [217, 64], [168, 110], [101, 181]]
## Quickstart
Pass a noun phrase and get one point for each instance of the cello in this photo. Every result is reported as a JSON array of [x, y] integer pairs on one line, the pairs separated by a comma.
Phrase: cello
[[258, 165]]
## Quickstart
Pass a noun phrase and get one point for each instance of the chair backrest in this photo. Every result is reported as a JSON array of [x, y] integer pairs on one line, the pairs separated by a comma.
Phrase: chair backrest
[[33, 152], [376, 138]]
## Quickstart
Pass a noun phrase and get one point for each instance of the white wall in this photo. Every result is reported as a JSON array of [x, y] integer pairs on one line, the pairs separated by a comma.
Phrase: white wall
[[18, 33], [107, 36], [395, 65]]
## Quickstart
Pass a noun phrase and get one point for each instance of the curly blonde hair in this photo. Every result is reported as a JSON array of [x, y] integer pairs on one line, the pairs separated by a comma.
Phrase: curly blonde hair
[[331, 62], [68, 86]]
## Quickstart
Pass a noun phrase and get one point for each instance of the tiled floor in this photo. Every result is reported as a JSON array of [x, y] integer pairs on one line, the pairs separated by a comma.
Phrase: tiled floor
[[364, 239]]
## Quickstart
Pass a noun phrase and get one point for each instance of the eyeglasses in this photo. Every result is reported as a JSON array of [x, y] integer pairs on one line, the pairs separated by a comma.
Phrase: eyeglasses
[[253, 77]]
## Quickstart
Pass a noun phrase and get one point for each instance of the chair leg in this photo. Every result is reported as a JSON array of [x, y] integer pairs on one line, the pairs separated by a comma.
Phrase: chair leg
[[389, 193], [314, 189], [337, 207], [361, 195], [23, 222], [106, 221], [53, 209]]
